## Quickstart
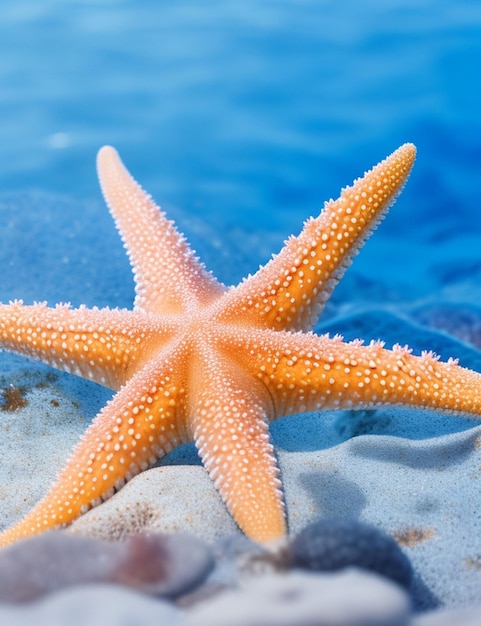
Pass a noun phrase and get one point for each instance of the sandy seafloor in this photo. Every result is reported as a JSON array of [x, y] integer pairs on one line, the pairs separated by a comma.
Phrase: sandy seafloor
[[242, 120], [406, 471]]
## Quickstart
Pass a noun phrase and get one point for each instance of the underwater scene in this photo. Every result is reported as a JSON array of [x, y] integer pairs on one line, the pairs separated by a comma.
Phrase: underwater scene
[[242, 120]]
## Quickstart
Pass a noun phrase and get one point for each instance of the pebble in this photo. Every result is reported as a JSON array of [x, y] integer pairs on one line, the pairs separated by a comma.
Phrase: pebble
[[351, 597], [348, 598], [336, 543], [89, 605], [161, 565]]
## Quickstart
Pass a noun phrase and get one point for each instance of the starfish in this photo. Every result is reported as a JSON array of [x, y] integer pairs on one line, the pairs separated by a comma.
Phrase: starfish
[[195, 360]]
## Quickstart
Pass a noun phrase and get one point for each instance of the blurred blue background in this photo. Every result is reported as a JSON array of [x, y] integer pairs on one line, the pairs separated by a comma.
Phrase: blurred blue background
[[250, 114]]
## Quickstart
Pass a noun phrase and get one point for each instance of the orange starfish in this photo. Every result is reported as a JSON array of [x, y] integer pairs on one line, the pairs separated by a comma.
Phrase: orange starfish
[[198, 361]]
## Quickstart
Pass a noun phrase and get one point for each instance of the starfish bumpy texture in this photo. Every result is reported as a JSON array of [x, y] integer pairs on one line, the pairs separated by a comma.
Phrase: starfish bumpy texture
[[196, 361]]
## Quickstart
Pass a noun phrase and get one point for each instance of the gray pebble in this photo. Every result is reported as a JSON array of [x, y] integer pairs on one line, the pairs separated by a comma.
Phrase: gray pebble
[[158, 564], [88, 605], [331, 544], [350, 598]]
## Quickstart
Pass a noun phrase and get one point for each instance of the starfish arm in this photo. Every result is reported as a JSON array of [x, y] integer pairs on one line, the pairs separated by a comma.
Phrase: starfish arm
[[290, 292], [168, 276], [136, 428], [230, 428], [306, 372], [102, 345]]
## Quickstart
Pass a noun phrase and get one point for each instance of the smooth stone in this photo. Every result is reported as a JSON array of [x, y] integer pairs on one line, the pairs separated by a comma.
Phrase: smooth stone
[[161, 565], [335, 543], [92, 605], [350, 598]]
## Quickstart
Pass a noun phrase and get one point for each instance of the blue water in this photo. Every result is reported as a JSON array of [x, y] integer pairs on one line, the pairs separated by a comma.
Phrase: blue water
[[254, 110]]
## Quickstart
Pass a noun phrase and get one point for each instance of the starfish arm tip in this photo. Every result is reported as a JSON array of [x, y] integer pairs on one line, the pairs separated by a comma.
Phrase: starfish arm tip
[[106, 152]]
